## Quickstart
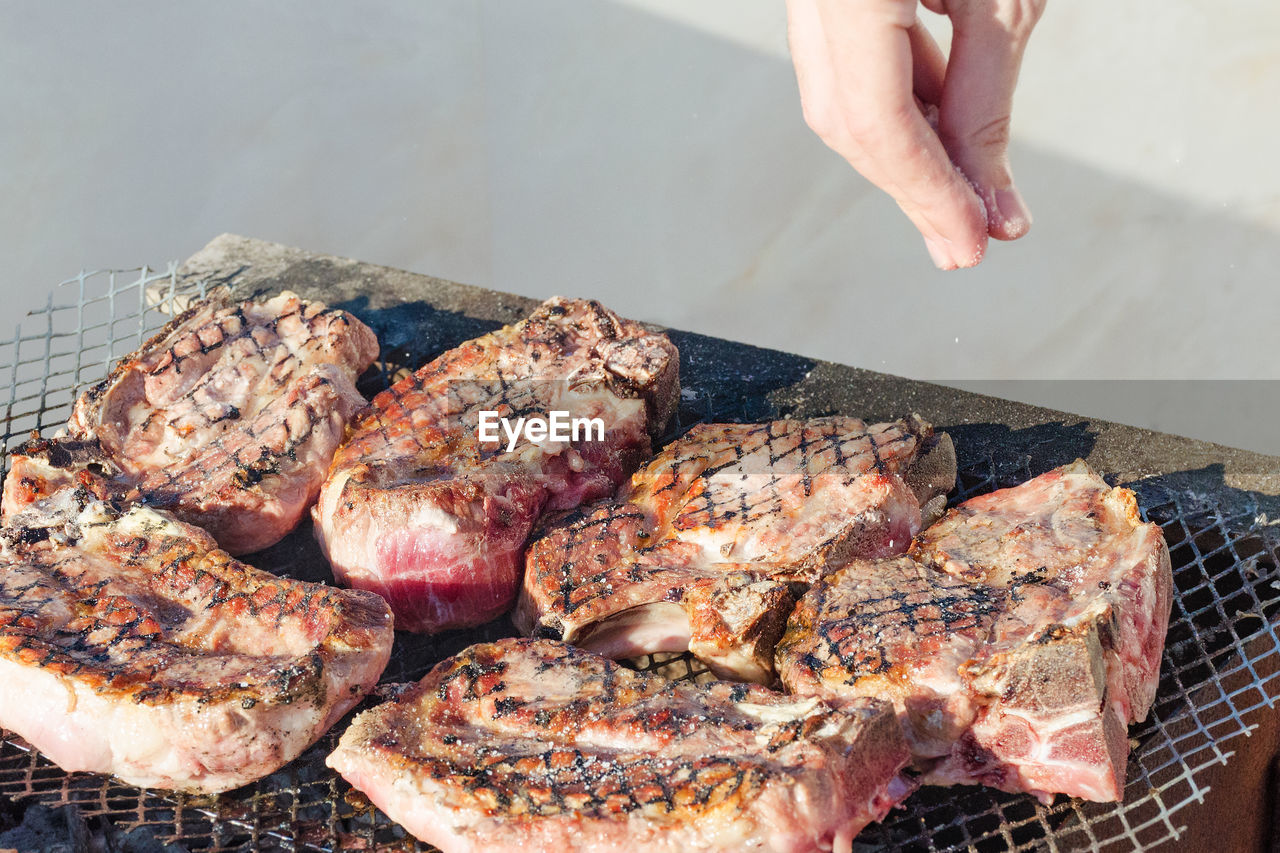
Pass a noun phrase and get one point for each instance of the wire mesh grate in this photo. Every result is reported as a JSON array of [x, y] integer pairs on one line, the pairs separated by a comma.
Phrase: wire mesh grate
[[1219, 663]]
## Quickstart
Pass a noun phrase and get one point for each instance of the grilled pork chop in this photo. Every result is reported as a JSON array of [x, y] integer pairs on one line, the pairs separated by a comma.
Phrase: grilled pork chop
[[130, 645], [1017, 640], [707, 547], [533, 745], [228, 418], [420, 510]]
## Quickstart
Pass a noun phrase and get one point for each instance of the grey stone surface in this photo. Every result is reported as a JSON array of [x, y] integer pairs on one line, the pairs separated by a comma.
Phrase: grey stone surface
[[418, 316]]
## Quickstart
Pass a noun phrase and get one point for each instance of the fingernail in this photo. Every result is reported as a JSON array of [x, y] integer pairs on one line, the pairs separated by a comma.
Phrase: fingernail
[[941, 253], [1011, 210]]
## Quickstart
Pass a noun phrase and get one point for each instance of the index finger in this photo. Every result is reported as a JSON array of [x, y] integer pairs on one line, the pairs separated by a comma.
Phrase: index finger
[[862, 105]]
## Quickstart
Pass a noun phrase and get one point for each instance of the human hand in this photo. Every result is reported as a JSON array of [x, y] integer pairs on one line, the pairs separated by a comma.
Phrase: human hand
[[871, 81]]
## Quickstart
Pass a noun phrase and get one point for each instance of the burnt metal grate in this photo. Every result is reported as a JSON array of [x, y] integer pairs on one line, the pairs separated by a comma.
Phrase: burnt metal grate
[[1220, 661]]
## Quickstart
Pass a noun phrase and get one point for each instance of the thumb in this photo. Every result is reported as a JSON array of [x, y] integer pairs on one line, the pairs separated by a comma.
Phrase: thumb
[[988, 40]]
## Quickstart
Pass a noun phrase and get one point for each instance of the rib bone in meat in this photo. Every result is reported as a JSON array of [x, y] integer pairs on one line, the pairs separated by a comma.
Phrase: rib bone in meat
[[1017, 640]]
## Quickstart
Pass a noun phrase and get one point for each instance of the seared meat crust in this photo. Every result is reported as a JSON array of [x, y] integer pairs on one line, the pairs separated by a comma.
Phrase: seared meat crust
[[534, 745], [130, 645], [1017, 640], [418, 509], [709, 544], [228, 417]]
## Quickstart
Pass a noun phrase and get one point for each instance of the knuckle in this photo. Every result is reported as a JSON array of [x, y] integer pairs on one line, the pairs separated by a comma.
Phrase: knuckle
[[1019, 17], [990, 139], [992, 136], [878, 125], [818, 118], [863, 127], [846, 129], [900, 13]]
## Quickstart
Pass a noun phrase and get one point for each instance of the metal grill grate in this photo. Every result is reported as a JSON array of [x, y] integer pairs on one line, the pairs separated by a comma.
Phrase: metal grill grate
[[1220, 662]]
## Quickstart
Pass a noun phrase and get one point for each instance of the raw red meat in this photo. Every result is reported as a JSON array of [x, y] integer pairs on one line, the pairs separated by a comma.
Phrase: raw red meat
[[419, 510]]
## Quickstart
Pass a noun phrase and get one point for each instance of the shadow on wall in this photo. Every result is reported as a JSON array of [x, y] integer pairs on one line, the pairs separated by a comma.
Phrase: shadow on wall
[[1237, 413], [409, 335], [590, 149], [671, 172]]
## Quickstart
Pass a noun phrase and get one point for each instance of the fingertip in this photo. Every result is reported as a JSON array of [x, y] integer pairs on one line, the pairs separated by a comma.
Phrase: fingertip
[[954, 223], [975, 256], [949, 255], [940, 252], [1008, 217]]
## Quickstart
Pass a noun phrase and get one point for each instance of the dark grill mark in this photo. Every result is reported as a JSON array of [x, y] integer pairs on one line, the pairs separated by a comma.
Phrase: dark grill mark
[[131, 598], [864, 621], [569, 563], [207, 449], [562, 732]]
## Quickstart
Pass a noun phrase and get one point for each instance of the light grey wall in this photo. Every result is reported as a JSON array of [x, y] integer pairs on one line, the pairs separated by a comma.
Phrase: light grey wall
[[651, 153]]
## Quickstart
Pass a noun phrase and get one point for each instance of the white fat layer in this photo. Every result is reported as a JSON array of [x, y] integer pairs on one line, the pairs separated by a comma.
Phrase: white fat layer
[[139, 521], [1048, 725], [35, 704], [661, 626], [327, 507], [181, 744], [429, 516], [734, 663], [1088, 614], [781, 712]]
